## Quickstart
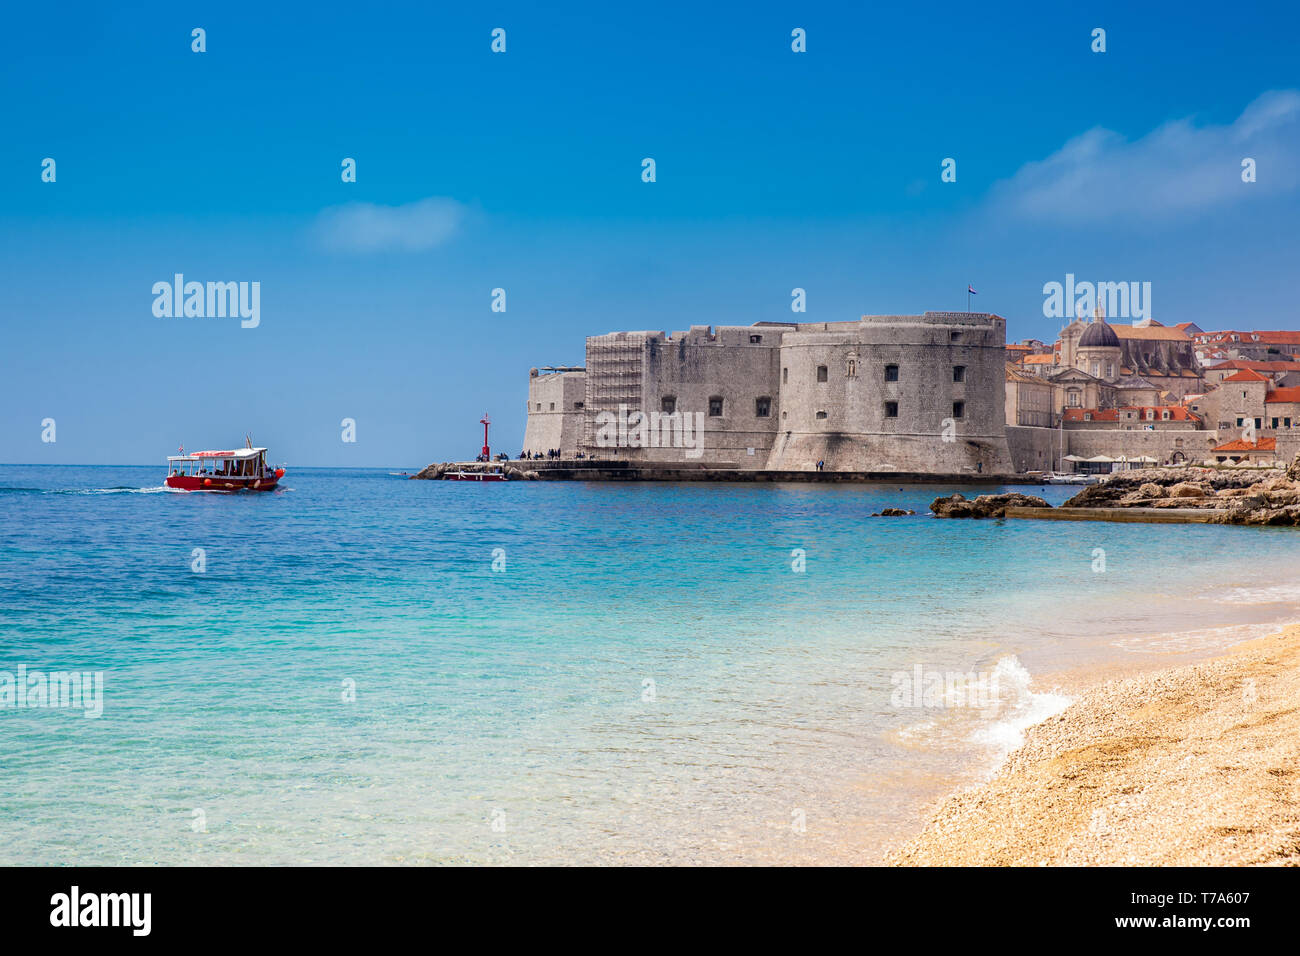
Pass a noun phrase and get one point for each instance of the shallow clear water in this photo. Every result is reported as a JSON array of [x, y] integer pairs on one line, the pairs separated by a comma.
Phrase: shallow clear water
[[644, 678]]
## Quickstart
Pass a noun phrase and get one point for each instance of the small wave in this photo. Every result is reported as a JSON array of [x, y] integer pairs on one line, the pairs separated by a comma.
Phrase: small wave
[[1275, 594], [1202, 639], [990, 709], [1018, 708]]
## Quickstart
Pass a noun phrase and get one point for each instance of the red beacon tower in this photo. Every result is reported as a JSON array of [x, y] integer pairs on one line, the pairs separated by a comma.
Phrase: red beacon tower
[[485, 422]]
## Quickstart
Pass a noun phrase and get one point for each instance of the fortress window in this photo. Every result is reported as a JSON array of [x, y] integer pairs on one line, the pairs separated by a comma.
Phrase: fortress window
[[891, 373], [715, 406], [762, 407], [578, 405], [668, 404], [891, 409], [821, 373], [552, 406], [958, 409], [954, 336], [755, 339], [785, 376], [539, 406], [821, 415], [959, 373]]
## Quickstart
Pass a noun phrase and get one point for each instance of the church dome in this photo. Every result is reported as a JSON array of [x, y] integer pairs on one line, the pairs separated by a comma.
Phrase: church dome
[[1098, 335]]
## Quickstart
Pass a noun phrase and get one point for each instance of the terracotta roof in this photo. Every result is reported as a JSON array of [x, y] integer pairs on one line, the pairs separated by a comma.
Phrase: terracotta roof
[[1259, 366], [1283, 395], [1240, 444], [1015, 375], [1146, 413], [1042, 358], [1276, 337], [1246, 375], [1150, 332], [1098, 414]]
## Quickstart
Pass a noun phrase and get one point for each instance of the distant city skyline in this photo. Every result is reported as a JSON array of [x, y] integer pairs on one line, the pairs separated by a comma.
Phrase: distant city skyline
[[522, 171]]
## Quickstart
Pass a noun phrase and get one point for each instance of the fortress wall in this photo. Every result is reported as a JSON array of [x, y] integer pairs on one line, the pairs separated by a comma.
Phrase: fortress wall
[[1088, 442], [555, 412], [695, 366], [1033, 449], [844, 420]]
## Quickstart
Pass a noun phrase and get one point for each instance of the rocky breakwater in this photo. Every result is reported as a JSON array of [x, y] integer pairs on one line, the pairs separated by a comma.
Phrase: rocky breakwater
[[985, 506], [513, 472], [1263, 497]]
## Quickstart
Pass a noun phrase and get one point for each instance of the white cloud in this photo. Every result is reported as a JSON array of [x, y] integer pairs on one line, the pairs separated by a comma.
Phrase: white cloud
[[367, 227], [1178, 168]]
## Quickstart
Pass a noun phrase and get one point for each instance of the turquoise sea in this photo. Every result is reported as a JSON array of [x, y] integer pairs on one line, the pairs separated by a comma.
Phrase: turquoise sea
[[358, 668]]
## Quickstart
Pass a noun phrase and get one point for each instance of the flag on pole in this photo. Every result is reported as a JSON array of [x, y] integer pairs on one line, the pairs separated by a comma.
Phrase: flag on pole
[[970, 289]]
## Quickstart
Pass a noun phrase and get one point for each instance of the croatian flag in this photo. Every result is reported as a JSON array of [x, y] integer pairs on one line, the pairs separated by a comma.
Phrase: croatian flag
[[971, 290]]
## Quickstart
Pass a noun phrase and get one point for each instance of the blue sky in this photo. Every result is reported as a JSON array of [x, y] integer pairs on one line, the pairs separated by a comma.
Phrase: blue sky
[[522, 171]]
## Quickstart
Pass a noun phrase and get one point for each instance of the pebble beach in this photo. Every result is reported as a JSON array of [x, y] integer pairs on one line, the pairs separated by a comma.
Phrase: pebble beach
[[1195, 765]]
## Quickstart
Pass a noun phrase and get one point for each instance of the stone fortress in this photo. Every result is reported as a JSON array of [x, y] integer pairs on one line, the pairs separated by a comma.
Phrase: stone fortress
[[936, 394], [910, 393]]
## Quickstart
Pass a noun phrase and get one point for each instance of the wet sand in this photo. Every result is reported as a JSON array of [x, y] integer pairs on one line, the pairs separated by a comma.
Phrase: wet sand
[[1195, 765]]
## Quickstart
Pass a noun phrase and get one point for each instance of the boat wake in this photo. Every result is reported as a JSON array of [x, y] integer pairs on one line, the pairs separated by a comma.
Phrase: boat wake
[[116, 490]]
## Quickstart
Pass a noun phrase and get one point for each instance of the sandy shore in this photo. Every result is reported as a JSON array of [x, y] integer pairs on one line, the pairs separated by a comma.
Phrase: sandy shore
[[1191, 766]]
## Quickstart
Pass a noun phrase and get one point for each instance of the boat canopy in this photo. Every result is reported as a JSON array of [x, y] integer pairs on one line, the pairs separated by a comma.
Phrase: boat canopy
[[237, 453]]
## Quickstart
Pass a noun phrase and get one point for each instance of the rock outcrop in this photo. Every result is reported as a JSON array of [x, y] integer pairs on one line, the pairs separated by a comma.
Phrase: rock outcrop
[[985, 506], [435, 472], [1264, 497]]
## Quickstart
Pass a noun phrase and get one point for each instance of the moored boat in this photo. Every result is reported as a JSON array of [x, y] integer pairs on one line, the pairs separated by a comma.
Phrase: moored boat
[[243, 469], [495, 474], [492, 473]]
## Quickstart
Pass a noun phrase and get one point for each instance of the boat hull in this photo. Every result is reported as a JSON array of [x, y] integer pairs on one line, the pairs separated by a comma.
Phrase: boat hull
[[473, 476], [222, 483]]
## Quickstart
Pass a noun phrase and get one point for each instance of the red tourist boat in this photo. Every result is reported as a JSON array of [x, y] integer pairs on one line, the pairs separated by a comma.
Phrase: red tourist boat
[[244, 469]]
